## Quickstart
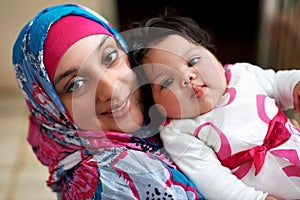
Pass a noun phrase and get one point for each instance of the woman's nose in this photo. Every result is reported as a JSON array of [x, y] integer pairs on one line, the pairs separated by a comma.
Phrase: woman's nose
[[105, 87]]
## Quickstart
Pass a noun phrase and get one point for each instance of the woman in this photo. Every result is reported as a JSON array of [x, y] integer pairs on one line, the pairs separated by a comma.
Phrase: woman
[[85, 111]]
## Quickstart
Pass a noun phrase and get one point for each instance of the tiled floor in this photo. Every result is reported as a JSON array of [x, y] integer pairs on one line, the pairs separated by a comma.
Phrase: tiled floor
[[21, 175]]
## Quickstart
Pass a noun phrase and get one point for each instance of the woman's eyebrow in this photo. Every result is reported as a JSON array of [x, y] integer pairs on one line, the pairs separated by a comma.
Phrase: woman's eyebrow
[[74, 70], [102, 42], [64, 75]]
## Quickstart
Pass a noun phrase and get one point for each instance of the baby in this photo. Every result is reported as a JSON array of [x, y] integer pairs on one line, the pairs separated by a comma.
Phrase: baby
[[224, 123]]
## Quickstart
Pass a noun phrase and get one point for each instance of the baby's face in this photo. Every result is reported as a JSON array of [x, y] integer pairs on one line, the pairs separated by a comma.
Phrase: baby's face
[[186, 80]]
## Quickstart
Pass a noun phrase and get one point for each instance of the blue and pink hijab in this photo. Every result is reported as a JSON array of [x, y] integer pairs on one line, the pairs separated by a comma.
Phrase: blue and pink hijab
[[100, 165]]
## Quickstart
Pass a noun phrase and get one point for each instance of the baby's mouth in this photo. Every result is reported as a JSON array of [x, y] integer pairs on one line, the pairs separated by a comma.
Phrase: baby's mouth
[[198, 91]]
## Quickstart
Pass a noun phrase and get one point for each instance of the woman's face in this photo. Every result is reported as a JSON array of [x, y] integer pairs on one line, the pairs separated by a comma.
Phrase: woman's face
[[97, 86], [186, 79]]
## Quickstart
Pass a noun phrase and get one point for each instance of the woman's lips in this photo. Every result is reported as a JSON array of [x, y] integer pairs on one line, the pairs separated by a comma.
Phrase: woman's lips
[[122, 110], [118, 107], [198, 91], [118, 110]]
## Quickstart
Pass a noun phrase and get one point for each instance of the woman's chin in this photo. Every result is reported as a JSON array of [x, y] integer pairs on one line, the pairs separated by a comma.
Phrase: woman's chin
[[131, 124]]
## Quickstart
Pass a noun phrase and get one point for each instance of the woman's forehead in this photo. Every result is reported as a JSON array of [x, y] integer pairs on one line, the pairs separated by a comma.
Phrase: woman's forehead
[[84, 53]]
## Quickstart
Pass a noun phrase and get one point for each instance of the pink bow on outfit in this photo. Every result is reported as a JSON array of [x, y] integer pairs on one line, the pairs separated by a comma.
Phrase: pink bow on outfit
[[277, 135]]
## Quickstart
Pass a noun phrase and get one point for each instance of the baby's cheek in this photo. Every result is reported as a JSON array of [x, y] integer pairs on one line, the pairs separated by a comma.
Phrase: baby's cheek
[[170, 105]]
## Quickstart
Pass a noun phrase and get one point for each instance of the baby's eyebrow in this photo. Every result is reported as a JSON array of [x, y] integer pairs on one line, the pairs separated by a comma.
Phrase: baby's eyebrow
[[157, 76]]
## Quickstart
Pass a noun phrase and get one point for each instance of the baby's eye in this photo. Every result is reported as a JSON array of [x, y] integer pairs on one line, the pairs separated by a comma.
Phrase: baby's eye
[[75, 84], [167, 82], [110, 57], [193, 61]]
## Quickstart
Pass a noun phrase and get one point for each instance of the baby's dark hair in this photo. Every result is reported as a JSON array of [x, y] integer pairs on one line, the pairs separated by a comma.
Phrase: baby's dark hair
[[153, 30]]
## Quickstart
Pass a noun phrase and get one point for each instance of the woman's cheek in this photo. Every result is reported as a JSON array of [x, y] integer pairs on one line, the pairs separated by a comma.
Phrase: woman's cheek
[[84, 112]]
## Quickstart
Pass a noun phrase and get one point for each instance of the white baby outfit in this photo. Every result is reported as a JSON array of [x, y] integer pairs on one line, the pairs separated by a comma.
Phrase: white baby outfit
[[247, 133]]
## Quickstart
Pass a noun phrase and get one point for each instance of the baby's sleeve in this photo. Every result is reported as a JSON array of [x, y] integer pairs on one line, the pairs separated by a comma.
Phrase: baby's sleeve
[[277, 84]]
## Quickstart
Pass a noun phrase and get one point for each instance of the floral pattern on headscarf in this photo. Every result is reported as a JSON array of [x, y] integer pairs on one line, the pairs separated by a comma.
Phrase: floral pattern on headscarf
[[82, 164]]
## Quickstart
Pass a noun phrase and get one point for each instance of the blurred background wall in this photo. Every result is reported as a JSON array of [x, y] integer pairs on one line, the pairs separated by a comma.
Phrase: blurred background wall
[[279, 35]]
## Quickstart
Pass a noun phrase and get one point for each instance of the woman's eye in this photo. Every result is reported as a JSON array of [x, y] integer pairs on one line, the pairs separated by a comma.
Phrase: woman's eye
[[110, 57], [193, 61], [167, 83], [75, 84]]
